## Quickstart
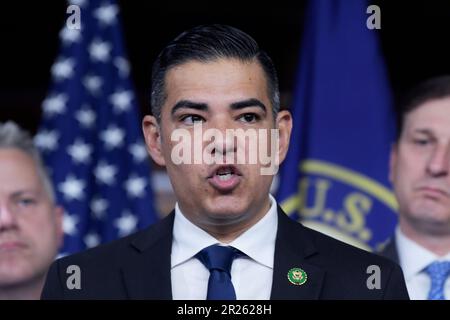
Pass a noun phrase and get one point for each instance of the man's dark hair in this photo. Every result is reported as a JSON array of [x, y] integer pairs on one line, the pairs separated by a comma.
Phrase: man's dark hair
[[431, 89], [204, 44]]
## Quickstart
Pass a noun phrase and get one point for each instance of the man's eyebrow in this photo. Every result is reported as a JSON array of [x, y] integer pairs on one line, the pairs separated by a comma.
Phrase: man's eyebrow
[[186, 104], [22, 192], [423, 131], [248, 103]]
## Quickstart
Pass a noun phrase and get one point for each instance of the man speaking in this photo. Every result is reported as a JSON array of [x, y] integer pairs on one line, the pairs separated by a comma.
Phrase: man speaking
[[227, 238]]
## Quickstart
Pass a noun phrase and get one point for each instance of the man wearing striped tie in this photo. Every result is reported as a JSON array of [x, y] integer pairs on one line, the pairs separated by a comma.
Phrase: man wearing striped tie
[[420, 172]]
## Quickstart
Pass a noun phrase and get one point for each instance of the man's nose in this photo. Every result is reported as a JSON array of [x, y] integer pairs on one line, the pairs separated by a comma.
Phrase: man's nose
[[224, 138], [440, 161], [224, 144], [8, 219]]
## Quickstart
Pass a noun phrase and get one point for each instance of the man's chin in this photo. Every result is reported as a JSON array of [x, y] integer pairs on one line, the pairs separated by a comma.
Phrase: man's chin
[[431, 209], [224, 215], [15, 277], [432, 219], [224, 212]]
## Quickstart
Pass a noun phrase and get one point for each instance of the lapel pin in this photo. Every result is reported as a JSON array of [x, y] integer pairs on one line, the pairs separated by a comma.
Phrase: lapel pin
[[297, 276]]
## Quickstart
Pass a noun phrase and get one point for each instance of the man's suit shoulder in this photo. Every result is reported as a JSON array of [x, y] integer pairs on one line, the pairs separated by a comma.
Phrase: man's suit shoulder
[[101, 267], [327, 249], [113, 252], [353, 267], [343, 252]]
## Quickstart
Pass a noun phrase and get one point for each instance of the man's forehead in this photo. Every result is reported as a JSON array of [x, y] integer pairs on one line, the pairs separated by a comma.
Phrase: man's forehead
[[15, 155], [215, 73], [433, 115], [223, 81], [231, 65], [17, 166]]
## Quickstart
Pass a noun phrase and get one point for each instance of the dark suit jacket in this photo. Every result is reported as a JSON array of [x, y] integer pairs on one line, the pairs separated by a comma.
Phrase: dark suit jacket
[[390, 251], [138, 267]]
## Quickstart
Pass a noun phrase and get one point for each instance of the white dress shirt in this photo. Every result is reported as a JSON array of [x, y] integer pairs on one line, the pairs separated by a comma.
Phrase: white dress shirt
[[251, 275], [413, 260]]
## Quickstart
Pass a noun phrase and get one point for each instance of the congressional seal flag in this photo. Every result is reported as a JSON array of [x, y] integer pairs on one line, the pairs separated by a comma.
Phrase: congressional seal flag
[[335, 177]]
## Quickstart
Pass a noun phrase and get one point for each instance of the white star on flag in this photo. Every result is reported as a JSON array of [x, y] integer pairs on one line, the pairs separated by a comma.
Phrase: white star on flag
[[121, 100], [138, 151], [106, 14], [93, 84], [112, 137], [79, 3], [135, 186], [63, 69], [80, 152], [99, 50], [91, 240], [105, 173], [90, 134], [72, 188], [70, 224], [55, 104], [86, 117], [126, 224], [123, 66], [98, 207], [69, 36], [47, 140]]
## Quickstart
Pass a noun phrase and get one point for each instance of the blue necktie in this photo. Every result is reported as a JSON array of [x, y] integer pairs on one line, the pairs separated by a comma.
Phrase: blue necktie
[[218, 260], [438, 272]]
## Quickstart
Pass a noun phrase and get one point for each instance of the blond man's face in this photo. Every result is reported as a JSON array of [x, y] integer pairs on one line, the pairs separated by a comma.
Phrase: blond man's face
[[30, 224]]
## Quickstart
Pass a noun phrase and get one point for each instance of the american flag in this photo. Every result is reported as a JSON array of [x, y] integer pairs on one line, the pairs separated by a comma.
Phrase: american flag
[[90, 135]]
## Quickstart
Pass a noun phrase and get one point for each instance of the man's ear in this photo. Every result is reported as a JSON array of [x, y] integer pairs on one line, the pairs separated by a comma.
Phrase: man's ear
[[152, 135], [284, 125], [393, 161]]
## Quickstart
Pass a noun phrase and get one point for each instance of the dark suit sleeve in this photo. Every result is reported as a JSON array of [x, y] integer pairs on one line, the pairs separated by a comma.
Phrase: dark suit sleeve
[[396, 286], [53, 288]]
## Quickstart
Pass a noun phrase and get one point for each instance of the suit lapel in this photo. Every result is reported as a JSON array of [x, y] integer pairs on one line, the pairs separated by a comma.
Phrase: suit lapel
[[147, 274], [390, 251], [293, 247]]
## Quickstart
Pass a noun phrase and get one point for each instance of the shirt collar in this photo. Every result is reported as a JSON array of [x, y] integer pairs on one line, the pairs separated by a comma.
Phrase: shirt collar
[[413, 257], [258, 242]]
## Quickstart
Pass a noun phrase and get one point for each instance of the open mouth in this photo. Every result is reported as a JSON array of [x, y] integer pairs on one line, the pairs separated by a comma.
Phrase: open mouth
[[225, 177], [225, 173]]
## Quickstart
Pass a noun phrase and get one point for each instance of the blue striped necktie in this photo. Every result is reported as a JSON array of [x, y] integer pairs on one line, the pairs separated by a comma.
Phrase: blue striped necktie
[[438, 272], [218, 260]]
